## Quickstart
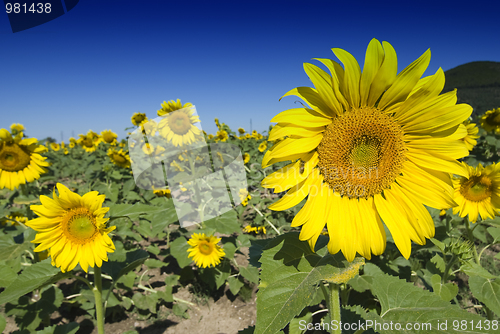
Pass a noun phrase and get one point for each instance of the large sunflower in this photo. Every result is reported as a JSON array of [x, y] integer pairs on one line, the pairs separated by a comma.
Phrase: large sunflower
[[73, 229], [177, 123], [20, 160], [372, 146], [478, 192], [205, 250], [109, 137]]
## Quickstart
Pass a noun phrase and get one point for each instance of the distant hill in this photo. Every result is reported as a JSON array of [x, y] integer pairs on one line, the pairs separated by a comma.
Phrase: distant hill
[[477, 83]]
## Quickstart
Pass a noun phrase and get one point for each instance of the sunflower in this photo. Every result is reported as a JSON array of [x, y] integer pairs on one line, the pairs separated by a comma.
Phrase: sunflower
[[138, 119], [89, 142], [119, 158], [55, 146], [15, 218], [204, 250], [73, 229], [109, 137], [16, 127], [262, 146], [20, 160], [241, 131], [478, 192], [72, 142], [472, 135], [168, 107], [221, 136], [177, 123], [246, 158], [163, 193], [490, 121], [372, 146]]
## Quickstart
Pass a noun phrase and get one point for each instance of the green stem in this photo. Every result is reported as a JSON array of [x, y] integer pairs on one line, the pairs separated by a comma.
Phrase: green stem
[[98, 300], [334, 307], [450, 264]]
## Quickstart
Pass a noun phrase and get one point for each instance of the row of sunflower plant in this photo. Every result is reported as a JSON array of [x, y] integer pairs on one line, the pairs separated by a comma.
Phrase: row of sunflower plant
[[381, 163], [80, 238]]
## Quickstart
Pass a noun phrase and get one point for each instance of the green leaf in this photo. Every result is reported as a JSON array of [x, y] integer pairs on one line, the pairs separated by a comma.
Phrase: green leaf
[[250, 273], [229, 249], [439, 262], [290, 276], [227, 223], [153, 263], [112, 193], [11, 250], [403, 303], [495, 233], [33, 277], [296, 325], [146, 302], [222, 273], [3, 323], [487, 291], [7, 275], [178, 249], [234, 285], [473, 269], [116, 269], [446, 291], [70, 328]]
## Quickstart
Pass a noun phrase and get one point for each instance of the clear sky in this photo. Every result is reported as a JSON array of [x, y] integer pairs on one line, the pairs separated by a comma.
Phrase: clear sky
[[104, 60]]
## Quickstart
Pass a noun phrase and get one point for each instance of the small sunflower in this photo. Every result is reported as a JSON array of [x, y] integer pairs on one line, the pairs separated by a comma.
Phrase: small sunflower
[[88, 142], [20, 160], [490, 121], [246, 158], [72, 142], [478, 192], [221, 136], [241, 131], [370, 146], [177, 124], [73, 229], [55, 146], [119, 158], [168, 107], [138, 119], [163, 193], [262, 146], [472, 135], [109, 137], [16, 127], [15, 218], [205, 250]]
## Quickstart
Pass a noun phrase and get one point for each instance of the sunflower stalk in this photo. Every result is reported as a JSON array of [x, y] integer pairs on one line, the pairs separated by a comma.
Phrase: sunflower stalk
[[334, 306], [99, 314]]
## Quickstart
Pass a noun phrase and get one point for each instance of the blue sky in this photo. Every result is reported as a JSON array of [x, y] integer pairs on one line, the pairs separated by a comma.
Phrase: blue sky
[[95, 66]]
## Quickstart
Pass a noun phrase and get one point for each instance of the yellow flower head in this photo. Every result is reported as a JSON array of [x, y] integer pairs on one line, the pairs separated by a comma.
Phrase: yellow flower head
[[109, 137], [246, 158], [241, 131], [15, 218], [221, 136], [478, 192], [205, 250], [90, 141], [138, 119], [20, 160], [55, 146], [470, 139], [16, 127], [369, 146], [119, 158], [490, 121], [168, 107], [73, 229], [178, 123], [262, 146], [163, 193]]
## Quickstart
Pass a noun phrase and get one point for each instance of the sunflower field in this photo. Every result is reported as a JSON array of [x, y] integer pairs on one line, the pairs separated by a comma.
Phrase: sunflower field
[[372, 207]]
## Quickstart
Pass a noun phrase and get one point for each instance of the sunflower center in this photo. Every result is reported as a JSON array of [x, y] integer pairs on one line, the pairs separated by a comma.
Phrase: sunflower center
[[179, 122], [87, 142], [13, 157], [361, 153], [476, 188], [118, 158], [79, 225], [205, 248]]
